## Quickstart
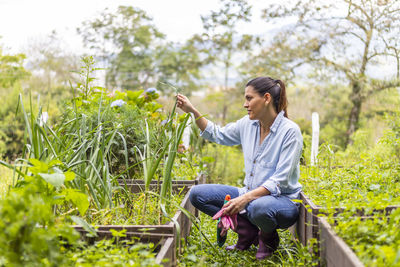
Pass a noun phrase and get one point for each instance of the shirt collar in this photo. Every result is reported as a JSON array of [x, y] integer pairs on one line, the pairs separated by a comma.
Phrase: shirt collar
[[276, 122]]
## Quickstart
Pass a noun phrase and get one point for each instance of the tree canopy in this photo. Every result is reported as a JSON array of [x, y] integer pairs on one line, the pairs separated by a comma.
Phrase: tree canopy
[[345, 40]]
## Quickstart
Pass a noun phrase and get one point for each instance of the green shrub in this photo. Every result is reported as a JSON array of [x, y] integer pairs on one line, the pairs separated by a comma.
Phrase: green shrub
[[30, 235], [225, 164]]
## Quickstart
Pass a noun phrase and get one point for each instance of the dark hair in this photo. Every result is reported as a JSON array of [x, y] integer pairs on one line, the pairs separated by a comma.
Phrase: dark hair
[[276, 88]]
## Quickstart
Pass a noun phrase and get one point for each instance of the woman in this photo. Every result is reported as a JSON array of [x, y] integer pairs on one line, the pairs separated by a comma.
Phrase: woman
[[272, 146]]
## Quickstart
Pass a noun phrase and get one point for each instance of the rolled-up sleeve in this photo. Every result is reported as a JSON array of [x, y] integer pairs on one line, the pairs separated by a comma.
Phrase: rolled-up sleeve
[[288, 162], [228, 135]]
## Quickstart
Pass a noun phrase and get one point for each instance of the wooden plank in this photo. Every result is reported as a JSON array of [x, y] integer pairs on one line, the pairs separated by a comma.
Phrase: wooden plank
[[154, 235], [161, 229], [200, 179], [301, 225], [166, 256], [153, 182], [334, 251], [183, 221], [137, 188], [293, 230], [312, 212]]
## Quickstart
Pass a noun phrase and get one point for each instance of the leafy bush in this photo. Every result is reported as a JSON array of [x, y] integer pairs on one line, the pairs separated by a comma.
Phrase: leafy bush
[[30, 234], [225, 164]]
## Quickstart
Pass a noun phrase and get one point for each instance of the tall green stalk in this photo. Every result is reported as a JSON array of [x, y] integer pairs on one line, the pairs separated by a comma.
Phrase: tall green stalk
[[175, 137]]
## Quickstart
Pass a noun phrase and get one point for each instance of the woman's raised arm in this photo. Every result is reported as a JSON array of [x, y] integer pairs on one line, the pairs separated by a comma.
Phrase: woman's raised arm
[[185, 105]]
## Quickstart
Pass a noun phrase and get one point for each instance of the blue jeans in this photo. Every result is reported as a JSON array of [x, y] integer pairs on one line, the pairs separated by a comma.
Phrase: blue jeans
[[267, 212]]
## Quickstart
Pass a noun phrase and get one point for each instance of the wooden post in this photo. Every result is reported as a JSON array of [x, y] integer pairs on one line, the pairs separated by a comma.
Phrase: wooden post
[[315, 138]]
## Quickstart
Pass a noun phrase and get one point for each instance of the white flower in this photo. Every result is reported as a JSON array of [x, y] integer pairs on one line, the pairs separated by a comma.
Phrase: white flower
[[118, 103]]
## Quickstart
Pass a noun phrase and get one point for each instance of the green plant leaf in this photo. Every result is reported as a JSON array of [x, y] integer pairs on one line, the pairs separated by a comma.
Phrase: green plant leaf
[[79, 199], [116, 233], [38, 166], [69, 176], [84, 224], [55, 179]]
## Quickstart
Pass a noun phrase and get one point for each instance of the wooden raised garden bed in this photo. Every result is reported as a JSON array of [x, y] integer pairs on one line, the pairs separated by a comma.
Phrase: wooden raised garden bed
[[200, 179], [165, 237], [307, 226], [334, 251], [162, 236]]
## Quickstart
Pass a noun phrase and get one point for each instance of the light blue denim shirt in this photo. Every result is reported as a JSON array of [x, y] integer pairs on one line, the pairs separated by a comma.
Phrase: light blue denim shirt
[[275, 163]]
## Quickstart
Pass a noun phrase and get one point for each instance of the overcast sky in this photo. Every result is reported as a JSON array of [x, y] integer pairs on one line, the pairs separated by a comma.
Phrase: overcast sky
[[24, 20]]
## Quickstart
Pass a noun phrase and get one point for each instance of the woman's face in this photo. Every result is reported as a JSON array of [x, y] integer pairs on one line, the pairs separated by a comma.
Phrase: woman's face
[[254, 103]]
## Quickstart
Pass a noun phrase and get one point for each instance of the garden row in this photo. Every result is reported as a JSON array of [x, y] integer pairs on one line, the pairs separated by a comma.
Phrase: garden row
[[112, 161], [349, 214], [167, 237]]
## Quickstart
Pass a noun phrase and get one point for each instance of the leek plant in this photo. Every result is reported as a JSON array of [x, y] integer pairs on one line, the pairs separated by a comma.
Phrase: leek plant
[[80, 147], [151, 159], [174, 135]]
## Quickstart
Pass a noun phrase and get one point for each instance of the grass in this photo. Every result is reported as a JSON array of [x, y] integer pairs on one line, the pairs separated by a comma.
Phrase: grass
[[199, 253], [6, 178], [131, 211]]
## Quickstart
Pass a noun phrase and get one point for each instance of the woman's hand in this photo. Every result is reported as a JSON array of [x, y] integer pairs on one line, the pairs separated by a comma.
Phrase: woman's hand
[[183, 103], [235, 205]]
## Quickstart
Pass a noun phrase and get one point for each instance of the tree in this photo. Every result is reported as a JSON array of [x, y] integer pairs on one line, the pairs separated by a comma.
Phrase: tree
[[51, 66], [11, 69], [137, 56], [221, 40], [125, 41], [179, 65], [12, 73], [348, 38]]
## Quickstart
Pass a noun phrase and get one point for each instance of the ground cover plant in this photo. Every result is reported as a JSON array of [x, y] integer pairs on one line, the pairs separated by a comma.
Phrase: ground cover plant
[[359, 177], [112, 253], [374, 239], [200, 253]]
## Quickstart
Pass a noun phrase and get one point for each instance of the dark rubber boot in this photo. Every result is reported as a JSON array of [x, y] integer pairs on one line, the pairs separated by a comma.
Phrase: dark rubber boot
[[247, 234], [267, 244]]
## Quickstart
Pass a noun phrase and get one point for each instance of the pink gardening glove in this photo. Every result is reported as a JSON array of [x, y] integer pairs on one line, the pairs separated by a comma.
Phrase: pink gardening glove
[[227, 221]]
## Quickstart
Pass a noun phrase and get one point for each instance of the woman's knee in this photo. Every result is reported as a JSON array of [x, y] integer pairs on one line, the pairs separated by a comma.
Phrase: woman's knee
[[262, 216], [268, 213], [196, 195]]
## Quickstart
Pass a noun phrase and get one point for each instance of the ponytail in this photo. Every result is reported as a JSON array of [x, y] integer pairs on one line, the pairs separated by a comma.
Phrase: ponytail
[[283, 102]]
